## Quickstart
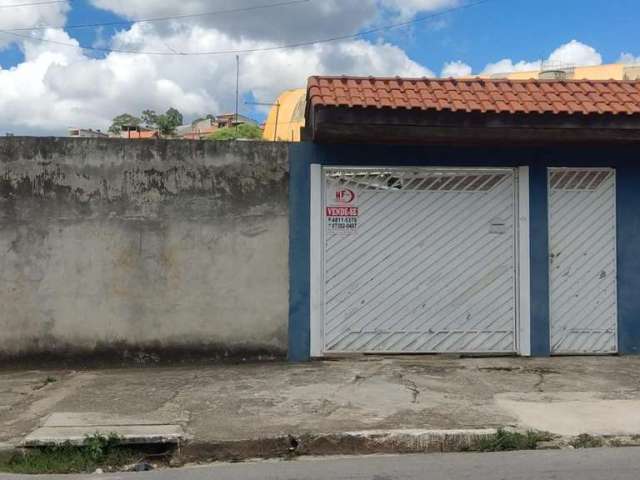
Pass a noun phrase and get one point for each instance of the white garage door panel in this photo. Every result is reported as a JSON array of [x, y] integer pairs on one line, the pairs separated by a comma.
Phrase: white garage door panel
[[430, 265], [582, 270]]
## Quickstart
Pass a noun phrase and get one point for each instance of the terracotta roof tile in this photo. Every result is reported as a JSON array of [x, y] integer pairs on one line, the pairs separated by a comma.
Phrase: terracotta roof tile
[[573, 97]]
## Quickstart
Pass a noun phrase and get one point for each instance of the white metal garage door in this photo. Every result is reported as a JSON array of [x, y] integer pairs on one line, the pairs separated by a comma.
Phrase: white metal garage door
[[419, 260], [582, 264]]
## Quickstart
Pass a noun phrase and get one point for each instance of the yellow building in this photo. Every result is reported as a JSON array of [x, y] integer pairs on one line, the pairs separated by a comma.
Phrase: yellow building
[[286, 117], [613, 71]]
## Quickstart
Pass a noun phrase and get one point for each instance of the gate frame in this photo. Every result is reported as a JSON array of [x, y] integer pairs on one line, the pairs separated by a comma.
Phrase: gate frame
[[613, 169], [522, 324]]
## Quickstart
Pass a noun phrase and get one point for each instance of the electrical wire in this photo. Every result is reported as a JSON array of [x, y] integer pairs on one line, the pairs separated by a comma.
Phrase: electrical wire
[[34, 4], [159, 19], [257, 49]]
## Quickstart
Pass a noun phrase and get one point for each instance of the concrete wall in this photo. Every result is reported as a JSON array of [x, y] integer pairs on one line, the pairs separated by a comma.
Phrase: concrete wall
[[118, 245]]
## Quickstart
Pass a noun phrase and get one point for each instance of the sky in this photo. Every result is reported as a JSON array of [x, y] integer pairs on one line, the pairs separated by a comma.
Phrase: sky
[[56, 72]]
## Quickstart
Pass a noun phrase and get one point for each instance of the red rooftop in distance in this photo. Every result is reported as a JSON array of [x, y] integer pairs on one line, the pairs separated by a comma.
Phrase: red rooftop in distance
[[568, 97]]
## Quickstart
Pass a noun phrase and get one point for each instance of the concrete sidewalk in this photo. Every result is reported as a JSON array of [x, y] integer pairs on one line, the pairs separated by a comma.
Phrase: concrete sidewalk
[[225, 403]]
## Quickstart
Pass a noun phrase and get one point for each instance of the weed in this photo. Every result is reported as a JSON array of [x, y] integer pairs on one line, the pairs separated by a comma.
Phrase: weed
[[505, 440], [585, 440], [96, 451]]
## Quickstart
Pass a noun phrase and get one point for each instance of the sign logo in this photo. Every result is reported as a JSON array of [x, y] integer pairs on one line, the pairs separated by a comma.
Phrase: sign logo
[[345, 195]]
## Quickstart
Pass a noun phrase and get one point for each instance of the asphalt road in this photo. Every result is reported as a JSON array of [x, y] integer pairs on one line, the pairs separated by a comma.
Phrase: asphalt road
[[610, 464]]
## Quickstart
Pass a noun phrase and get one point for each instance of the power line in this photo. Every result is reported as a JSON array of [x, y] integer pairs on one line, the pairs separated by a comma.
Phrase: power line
[[34, 4], [257, 49], [159, 19]]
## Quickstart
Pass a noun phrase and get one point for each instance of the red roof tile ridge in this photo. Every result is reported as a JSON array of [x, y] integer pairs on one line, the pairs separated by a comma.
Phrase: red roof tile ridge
[[572, 97], [472, 79]]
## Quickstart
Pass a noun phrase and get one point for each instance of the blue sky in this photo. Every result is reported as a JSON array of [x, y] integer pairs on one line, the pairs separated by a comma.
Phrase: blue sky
[[530, 29], [46, 86]]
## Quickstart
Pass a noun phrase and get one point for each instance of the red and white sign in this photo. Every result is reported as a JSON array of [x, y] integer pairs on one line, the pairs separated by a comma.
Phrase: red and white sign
[[342, 211], [345, 195], [341, 214]]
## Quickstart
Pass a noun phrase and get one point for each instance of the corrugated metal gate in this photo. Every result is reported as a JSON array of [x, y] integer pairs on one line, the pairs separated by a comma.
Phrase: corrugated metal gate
[[582, 271], [419, 260]]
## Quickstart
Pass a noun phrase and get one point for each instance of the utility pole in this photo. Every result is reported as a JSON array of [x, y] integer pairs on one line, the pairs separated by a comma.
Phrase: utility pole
[[277, 105], [237, 89]]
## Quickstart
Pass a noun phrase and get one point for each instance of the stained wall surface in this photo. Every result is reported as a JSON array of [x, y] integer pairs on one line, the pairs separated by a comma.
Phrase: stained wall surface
[[110, 244]]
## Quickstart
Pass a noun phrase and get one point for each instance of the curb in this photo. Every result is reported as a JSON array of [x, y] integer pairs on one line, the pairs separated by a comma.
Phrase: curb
[[7, 450], [346, 443]]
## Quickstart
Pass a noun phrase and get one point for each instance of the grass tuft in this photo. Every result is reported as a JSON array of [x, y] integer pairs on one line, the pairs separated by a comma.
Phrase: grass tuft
[[505, 440], [97, 451], [585, 440]]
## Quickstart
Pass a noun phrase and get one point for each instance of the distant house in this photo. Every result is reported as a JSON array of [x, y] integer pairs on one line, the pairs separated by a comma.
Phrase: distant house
[[86, 133], [229, 120], [137, 132], [201, 129], [613, 71], [198, 130]]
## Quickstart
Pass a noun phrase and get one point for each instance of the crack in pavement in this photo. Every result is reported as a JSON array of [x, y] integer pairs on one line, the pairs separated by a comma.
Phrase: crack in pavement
[[538, 385], [411, 386]]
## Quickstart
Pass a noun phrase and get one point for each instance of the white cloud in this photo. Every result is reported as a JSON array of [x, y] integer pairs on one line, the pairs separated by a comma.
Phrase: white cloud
[[284, 23], [570, 54], [408, 8], [506, 65], [574, 53], [456, 69], [57, 87], [628, 58], [29, 16]]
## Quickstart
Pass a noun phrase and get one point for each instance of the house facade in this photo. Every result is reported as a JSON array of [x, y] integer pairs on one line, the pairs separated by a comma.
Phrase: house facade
[[475, 217], [466, 216]]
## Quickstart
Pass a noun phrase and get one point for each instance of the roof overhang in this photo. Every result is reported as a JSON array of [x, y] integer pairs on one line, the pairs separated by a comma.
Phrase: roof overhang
[[338, 124]]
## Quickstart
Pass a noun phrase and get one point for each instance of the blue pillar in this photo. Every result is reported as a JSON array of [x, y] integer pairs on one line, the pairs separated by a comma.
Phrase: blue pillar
[[539, 244], [628, 239], [299, 198]]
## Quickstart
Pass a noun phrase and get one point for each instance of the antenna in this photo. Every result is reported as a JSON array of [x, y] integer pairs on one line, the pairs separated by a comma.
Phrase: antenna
[[237, 88]]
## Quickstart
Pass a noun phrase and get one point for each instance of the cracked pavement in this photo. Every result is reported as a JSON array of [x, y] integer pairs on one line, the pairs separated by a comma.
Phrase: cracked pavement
[[248, 401]]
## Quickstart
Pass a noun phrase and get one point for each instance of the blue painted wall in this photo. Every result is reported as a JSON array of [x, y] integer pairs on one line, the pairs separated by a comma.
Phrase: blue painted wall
[[628, 216], [538, 159], [539, 256], [300, 159]]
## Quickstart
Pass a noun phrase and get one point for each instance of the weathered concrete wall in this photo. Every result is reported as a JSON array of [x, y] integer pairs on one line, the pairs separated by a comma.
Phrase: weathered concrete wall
[[131, 245]]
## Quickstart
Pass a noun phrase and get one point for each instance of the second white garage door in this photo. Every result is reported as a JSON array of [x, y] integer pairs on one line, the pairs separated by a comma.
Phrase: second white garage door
[[419, 260], [583, 260]]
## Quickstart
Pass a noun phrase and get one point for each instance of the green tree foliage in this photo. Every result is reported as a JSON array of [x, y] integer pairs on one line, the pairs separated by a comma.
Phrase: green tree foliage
[[123, 120], [244, 131], [168, 121], [149, 118]]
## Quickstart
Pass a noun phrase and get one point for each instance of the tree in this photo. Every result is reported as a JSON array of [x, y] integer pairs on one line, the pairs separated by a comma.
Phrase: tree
[[149, 118], [244, 131], [174, 116], [124, 120], [168, 121]]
